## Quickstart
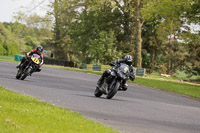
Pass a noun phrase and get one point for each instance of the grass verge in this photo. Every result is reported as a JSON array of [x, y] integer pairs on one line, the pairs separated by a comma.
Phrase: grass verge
[[24, 114], [7, 58], [187, 89]]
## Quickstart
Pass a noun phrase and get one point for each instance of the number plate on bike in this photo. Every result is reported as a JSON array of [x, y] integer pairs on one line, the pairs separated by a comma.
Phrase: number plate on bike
[[35, 60]]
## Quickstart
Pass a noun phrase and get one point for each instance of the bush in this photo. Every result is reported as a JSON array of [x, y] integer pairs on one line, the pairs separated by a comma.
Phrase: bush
[[2, 50], [11, 49]]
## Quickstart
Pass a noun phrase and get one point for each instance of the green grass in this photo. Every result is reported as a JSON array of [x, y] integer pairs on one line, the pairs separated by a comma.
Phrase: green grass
[[24, 114], [179, 75], [186, 89], [76, 69], [7, 58]]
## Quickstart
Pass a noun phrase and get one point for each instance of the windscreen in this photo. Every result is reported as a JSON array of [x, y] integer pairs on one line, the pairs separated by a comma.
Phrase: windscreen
[[124, 68]]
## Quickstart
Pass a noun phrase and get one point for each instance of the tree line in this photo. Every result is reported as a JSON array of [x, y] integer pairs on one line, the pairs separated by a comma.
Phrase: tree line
[[24, 34], [157, 33]]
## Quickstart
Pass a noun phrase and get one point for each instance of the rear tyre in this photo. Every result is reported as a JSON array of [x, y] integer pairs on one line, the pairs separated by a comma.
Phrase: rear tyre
[[26, 73], [113, 90], [97, 92]]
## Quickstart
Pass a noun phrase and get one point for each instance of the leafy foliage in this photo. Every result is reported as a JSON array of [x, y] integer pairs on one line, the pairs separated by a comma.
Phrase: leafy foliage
[[8, 45], [93, 36], [98, 31], [164, 23], [18, 38]]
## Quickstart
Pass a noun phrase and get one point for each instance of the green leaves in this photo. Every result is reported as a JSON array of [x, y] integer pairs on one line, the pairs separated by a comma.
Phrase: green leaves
[[103, 48], [8, 42], [2, 50], [92, 35]]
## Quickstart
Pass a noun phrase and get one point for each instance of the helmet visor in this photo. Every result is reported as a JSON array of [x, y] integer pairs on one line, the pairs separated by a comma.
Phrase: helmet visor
[[129, 63], [39, 50]]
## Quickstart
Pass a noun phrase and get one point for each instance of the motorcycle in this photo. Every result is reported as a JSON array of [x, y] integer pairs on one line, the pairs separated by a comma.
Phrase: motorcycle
[[113, 82], [28, 67]]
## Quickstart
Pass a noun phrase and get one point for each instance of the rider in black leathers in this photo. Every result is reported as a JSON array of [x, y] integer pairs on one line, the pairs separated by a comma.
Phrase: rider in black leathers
[[127, 60]]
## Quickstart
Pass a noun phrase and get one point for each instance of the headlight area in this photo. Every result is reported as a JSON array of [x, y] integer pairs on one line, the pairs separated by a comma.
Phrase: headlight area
[[121, 75]]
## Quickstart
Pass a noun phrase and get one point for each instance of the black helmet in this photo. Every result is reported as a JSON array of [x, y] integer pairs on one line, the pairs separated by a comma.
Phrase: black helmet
[[39, 49], [128, 59]]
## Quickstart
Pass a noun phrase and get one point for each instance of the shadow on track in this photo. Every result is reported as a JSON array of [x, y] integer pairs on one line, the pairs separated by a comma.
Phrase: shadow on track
[[102, 98]]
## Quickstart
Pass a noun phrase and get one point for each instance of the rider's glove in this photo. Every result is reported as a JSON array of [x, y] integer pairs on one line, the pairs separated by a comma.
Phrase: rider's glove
[[132, 77], [112, 63]]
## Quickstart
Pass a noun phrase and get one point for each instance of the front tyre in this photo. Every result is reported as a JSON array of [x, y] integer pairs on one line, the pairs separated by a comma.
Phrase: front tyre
[[26, 73], [113, 90], [97, 92], [18, 74]]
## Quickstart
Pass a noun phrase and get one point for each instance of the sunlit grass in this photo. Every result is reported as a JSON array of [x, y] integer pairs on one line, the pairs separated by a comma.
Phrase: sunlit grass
[[24, 114], [187, 89], [7, 58]]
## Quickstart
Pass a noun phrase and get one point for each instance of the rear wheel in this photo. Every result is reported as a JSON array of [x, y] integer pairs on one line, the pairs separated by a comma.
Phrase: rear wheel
[[97, 92], [113, 90], [26, 73]]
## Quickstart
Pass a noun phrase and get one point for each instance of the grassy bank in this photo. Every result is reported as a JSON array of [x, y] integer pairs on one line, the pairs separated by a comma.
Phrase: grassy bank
[[186, 89], [24, 114], [166, 84], [7, 58]]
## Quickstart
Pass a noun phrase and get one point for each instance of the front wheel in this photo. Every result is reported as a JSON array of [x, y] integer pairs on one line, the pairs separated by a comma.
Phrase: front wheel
[[26, 73], [97, 92], [18, 74], [113, 90]]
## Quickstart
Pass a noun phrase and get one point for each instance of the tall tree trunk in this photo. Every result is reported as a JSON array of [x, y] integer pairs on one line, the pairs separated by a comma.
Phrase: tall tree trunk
[[57, 33], [57, 30], [169, 66], [138, 60], [67, 53], [152, 65]]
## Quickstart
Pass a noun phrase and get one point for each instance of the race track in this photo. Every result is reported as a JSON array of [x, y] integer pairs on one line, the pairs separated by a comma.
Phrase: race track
[[138, 110]]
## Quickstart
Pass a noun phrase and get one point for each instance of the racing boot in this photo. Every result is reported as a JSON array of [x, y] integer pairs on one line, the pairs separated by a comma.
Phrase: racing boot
[[19, 65], [124, 87], [38, 70], [100, 82]]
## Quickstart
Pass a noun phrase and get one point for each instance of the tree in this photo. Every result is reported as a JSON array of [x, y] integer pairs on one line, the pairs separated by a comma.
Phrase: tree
[[169, 15], [192, 39], [92, 35], [9, 44], [127, 8], [139, 22], [103, 48], [2, 49], [64, 13], [192, 65]]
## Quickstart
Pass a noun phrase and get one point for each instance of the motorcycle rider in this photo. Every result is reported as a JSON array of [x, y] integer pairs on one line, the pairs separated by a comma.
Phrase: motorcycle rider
[[38, 51], [127, 60]]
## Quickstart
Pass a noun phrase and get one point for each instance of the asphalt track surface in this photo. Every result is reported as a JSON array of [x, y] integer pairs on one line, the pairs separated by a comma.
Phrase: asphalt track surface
[[138, 110]]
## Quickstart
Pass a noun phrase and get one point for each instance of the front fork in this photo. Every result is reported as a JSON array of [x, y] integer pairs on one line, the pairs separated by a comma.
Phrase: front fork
[[114, 81], [27, 66]]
